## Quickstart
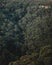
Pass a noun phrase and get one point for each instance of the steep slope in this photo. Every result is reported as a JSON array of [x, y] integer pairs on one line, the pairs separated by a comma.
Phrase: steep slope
[[25, 26]]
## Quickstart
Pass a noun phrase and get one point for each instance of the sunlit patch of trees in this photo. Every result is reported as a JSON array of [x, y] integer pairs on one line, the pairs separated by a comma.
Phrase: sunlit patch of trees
[[44, 57]]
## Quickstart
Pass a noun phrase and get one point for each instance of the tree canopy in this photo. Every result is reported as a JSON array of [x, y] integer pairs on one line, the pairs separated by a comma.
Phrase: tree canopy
[[25, 27]]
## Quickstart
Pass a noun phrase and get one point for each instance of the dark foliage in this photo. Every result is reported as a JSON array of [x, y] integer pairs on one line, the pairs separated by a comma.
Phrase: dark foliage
[[25, 27]]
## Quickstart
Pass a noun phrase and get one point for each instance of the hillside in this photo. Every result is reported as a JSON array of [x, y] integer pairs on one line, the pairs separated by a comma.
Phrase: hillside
[[25, 27]]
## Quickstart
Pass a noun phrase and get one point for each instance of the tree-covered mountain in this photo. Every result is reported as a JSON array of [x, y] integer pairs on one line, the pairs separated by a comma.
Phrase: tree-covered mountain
[[25, 27]]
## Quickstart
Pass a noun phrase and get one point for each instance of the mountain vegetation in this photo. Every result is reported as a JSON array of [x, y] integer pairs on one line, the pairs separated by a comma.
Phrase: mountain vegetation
[[41, 58], [25, 32]]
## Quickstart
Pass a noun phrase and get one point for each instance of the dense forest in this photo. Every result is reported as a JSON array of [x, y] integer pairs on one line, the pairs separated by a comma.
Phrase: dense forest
[[25, 32]]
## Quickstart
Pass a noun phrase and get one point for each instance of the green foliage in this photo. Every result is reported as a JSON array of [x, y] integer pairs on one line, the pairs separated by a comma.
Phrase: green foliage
[[25, 27], [41, 58]]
